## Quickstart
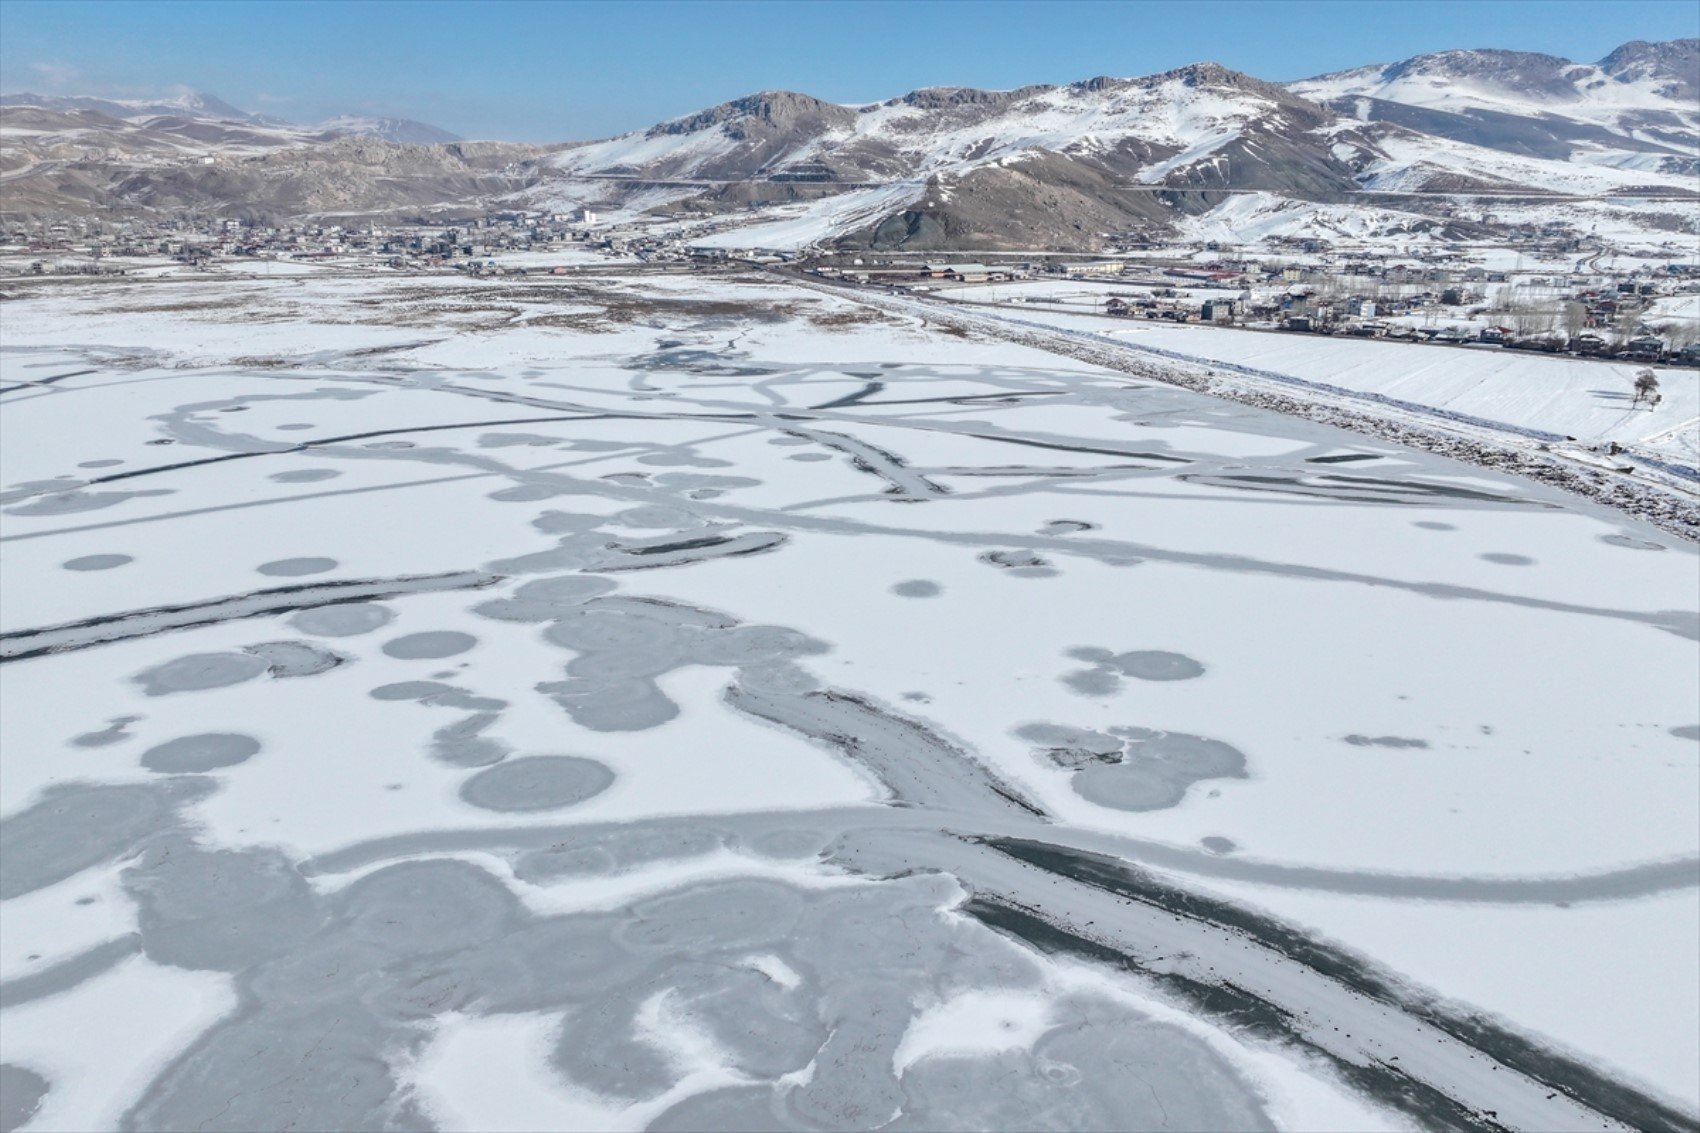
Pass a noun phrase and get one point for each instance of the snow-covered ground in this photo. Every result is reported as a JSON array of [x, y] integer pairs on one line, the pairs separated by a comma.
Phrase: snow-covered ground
[[1589, 400], [687, 702]]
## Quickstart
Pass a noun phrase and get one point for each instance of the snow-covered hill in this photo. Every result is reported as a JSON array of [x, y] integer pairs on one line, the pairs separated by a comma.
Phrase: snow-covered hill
[[1061, 165]]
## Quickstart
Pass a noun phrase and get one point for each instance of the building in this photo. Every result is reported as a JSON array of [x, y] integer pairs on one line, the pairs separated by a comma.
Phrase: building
[[1098, 267]]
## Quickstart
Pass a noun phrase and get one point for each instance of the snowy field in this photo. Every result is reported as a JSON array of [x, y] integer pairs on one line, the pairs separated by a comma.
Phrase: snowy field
[[687, 703], [1585, 399]]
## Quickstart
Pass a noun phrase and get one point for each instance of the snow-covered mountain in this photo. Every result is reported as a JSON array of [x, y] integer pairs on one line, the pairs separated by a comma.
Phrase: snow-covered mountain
[[200, 107], [1632, 110], [72, 155], [186, 104], [1199, 149], [963, 167], [1197, 126], [404, 130]]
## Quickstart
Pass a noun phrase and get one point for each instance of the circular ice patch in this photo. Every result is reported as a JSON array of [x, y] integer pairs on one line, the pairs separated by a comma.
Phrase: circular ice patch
[[430, 645], [1156, 665], [207, 751], [917, 588], [290, 568], [1124, 786], [345, 620], [538, 782], [96, 562], [200, 671]]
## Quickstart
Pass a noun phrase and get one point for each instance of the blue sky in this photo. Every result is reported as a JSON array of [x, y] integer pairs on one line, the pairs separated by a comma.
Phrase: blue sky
[[539, 71]]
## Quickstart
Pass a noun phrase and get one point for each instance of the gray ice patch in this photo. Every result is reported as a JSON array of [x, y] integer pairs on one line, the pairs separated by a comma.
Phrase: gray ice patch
[[545, 599], [1217, 844], [200, 671], [1156, 665], [1101, 681], [1067, 527], [917, 588], [73, 826], [323, 1064], [1686, 731], [614, 705], [207, 751], [99, 463], [527, 493], [511, 440], [1156, 773], [1073, 748], [430, 645], [114, 732], [416, 908], [1621, 539], [1090, 653], [461, 744], [537, 782], [96, 562], [681, 459], [304, 475], [21, 1094], [292, 568], [658, 517], [567, 522], [219, 910], [1078, 1076], [1014, 560], [1104, 679], [1383, 741], [295, 658], [348, 619], [1506, 559], [1433, 525], [70, 503], [436, 694]]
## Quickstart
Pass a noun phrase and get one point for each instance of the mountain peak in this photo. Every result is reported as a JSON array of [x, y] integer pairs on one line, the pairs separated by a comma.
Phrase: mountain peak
[[1674, 63], [767, 110]]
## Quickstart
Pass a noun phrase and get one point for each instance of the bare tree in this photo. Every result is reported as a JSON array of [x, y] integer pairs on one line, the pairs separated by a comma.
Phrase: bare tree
[[1681, 332], [1575, 319], [1646, 389]]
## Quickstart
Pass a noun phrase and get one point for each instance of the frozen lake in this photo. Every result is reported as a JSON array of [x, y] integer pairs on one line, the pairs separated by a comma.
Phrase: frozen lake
[[700, 703]]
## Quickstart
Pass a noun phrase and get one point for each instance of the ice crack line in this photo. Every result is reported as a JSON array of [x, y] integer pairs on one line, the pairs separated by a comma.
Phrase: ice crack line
[[69, 636]]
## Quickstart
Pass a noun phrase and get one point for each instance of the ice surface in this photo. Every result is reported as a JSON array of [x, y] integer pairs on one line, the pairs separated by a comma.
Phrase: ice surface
[[1060, 750]]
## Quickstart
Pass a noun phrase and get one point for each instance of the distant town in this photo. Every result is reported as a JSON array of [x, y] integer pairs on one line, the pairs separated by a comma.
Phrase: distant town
[[1645, 314]]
